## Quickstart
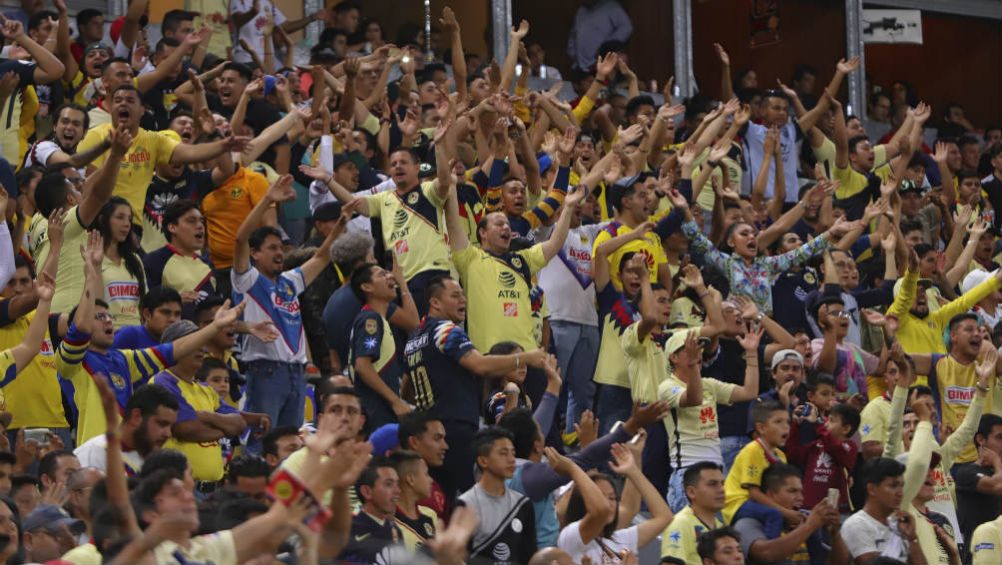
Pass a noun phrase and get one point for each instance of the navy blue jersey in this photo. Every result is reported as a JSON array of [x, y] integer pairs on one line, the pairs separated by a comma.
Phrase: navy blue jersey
[[441, 385], [370, 540], [372, 338]]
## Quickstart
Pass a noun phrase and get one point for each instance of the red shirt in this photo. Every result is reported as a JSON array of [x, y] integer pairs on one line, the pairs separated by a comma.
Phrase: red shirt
[[437, 502], [826, 462]]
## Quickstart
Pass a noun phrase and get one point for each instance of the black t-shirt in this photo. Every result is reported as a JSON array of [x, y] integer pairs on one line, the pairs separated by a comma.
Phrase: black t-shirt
[[369, 540], [973, 507], [161, 100], [259, 116], [163, 192]]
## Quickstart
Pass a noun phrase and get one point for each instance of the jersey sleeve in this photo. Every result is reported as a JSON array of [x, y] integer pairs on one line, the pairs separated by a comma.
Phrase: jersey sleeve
[[165, 148], [986, 545], [679, 541], [452, 340], [366, 335], [534, 257], [296, 279], [721, 390], [71, 351], [428, 188], [464, 258], [144, 363], [872, 426], [671, 390], [242, 282], [93, 138], [631, 341], [749, 465]]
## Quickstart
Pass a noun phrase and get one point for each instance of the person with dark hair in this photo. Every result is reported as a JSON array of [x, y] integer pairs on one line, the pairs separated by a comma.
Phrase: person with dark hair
[[179, 265], [87, 352], [506, 517], [145, 428], [591, 524], [159, 308], [279, 443], [719, 546], [799, 541], [424, 434], [121, 269], [446, 371], [744, 486], [411, 216], [882, 527], [248, 475], [177, 24], [704, 489], [822, 446], [90, 29], [55, 468], [11, 534], [979, 483], [70, 125], [157, 148], [221, 347], [373, 529], [247, 16], [375, 369], [7, 462], [24, 491], [417, 522], [276, 379]]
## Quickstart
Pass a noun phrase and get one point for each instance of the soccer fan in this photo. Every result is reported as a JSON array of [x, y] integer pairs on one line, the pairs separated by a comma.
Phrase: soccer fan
[[374, 528], [704, 489], [180, 265], [160, 307], [417, 523]]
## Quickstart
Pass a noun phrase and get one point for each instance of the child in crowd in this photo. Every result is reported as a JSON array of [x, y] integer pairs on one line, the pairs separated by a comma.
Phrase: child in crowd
[[824, 449]]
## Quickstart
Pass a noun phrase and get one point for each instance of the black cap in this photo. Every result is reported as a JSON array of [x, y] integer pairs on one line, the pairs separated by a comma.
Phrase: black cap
[[327, 212]]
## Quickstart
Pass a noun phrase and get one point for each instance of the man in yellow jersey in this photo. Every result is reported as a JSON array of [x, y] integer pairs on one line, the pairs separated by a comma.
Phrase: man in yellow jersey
[[630, 200], [704, 488], [55, 192], [954, 378], [411, 217], [498, 281], [46, 68], [87, 353], [921, 331], [148, 149]]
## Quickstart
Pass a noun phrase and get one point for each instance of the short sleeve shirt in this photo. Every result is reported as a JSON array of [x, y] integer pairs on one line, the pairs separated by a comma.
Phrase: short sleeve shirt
[[275, 301], [206, 458], [413, 225], [679, 539], [599, 549], [746, 471], [441, 384], [498, 293], [693, 434], [649, 247], [863, 534]]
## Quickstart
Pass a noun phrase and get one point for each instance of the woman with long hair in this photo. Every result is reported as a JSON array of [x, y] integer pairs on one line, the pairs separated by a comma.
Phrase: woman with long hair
[[122, 269], [600, 532]]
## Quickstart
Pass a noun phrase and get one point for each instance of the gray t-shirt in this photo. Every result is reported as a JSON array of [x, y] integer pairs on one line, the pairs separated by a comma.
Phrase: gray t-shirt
[[507, 531], [864, 534]]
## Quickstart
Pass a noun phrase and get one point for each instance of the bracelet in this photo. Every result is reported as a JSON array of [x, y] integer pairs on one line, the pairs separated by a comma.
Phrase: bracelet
[[330, 179], [802, 204], [518, 362]]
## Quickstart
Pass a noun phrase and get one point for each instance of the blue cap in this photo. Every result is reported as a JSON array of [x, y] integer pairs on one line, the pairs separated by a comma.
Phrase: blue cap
[[545, 161], [269, 84], [384, 439]]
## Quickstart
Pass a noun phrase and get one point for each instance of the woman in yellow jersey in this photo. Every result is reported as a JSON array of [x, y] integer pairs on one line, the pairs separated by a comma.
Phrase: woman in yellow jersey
[[122, 270]]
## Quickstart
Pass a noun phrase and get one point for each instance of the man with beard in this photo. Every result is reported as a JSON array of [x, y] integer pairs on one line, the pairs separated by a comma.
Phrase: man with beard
[[149, 415], [148, 150], [61, 145]]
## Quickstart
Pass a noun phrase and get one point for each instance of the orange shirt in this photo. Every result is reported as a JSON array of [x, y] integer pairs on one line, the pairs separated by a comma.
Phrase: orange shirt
[[226, 207]]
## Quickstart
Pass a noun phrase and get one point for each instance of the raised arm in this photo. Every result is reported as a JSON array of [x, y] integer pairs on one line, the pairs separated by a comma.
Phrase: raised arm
[[100, 184], [29, 347], [600, 259], [840, 135], [597, 511], [450, 24], [49, 67], [322, 256], [726, 87], [749, 342], [625, 464], [340, 192], [130, 27], [63, 42], [162, 71], [508, 70], [280, 191], [553, 245]]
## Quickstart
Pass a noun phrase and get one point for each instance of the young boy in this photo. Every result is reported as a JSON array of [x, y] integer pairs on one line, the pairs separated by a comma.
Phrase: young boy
[[820, 393], [215, 375], [742, 488], [507, 520], [418, 523], [826, 452]]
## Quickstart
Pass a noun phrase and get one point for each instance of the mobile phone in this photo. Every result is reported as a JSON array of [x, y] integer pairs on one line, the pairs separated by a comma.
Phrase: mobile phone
[[39, 435], [833, 497]]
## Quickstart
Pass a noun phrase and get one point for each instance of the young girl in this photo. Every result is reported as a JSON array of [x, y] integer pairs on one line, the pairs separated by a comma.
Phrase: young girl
[[594, 532], [508, 393], [122, 270]]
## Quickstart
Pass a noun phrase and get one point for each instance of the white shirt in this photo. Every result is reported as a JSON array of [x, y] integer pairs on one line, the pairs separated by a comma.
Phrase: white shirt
[[94, 453], [251, 31], [863, 534], [571, 542], [566, 280], [276, 302], [790, 150]]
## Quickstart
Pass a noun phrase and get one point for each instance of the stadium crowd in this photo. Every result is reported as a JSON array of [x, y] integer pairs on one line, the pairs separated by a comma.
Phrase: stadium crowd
[[396, 306]]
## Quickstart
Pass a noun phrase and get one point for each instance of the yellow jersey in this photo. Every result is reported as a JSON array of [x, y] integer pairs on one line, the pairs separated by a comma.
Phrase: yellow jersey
[[35, 398], [693, 433], [986, 543], [413, 225], [680, 537], [498, 287], [746, 471], [70, 277], [954, 389], [649, 246], [148, 150]]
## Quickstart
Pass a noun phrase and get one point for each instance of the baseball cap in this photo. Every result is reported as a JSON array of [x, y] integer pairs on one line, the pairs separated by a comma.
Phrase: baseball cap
[[784, 354], [327, 212], [910, 186], [384, 438], [922, 283], [340, 159], [677, 340], [177, 330], [52, 518], [973, 279], [95, 46]]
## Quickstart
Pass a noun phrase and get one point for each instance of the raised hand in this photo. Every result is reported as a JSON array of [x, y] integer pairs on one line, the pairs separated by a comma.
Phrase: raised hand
[[226, 315], [786, 89], [448, 20], [121, 140], [719, 151], [521, 31], [874, 318], [622, 460], [847, 66], [986, 367], [643, 416], [605, 65], [941, 153], [560, 464], [586, 429], [630, 134], [749, 310], [691, 276], [93, 252], [281, 190], [264, 331], [575, 196], [750, 340], [12, 29], [722, 55], [45, 287]]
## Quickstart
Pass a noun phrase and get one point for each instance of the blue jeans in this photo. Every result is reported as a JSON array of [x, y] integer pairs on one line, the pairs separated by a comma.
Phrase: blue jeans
[[729, 448], [278, 390], [576, 346], [676, 491], [614, 403], [770, 518]]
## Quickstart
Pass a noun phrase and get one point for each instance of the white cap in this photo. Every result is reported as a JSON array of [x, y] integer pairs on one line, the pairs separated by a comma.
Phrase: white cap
[[973, 279]]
